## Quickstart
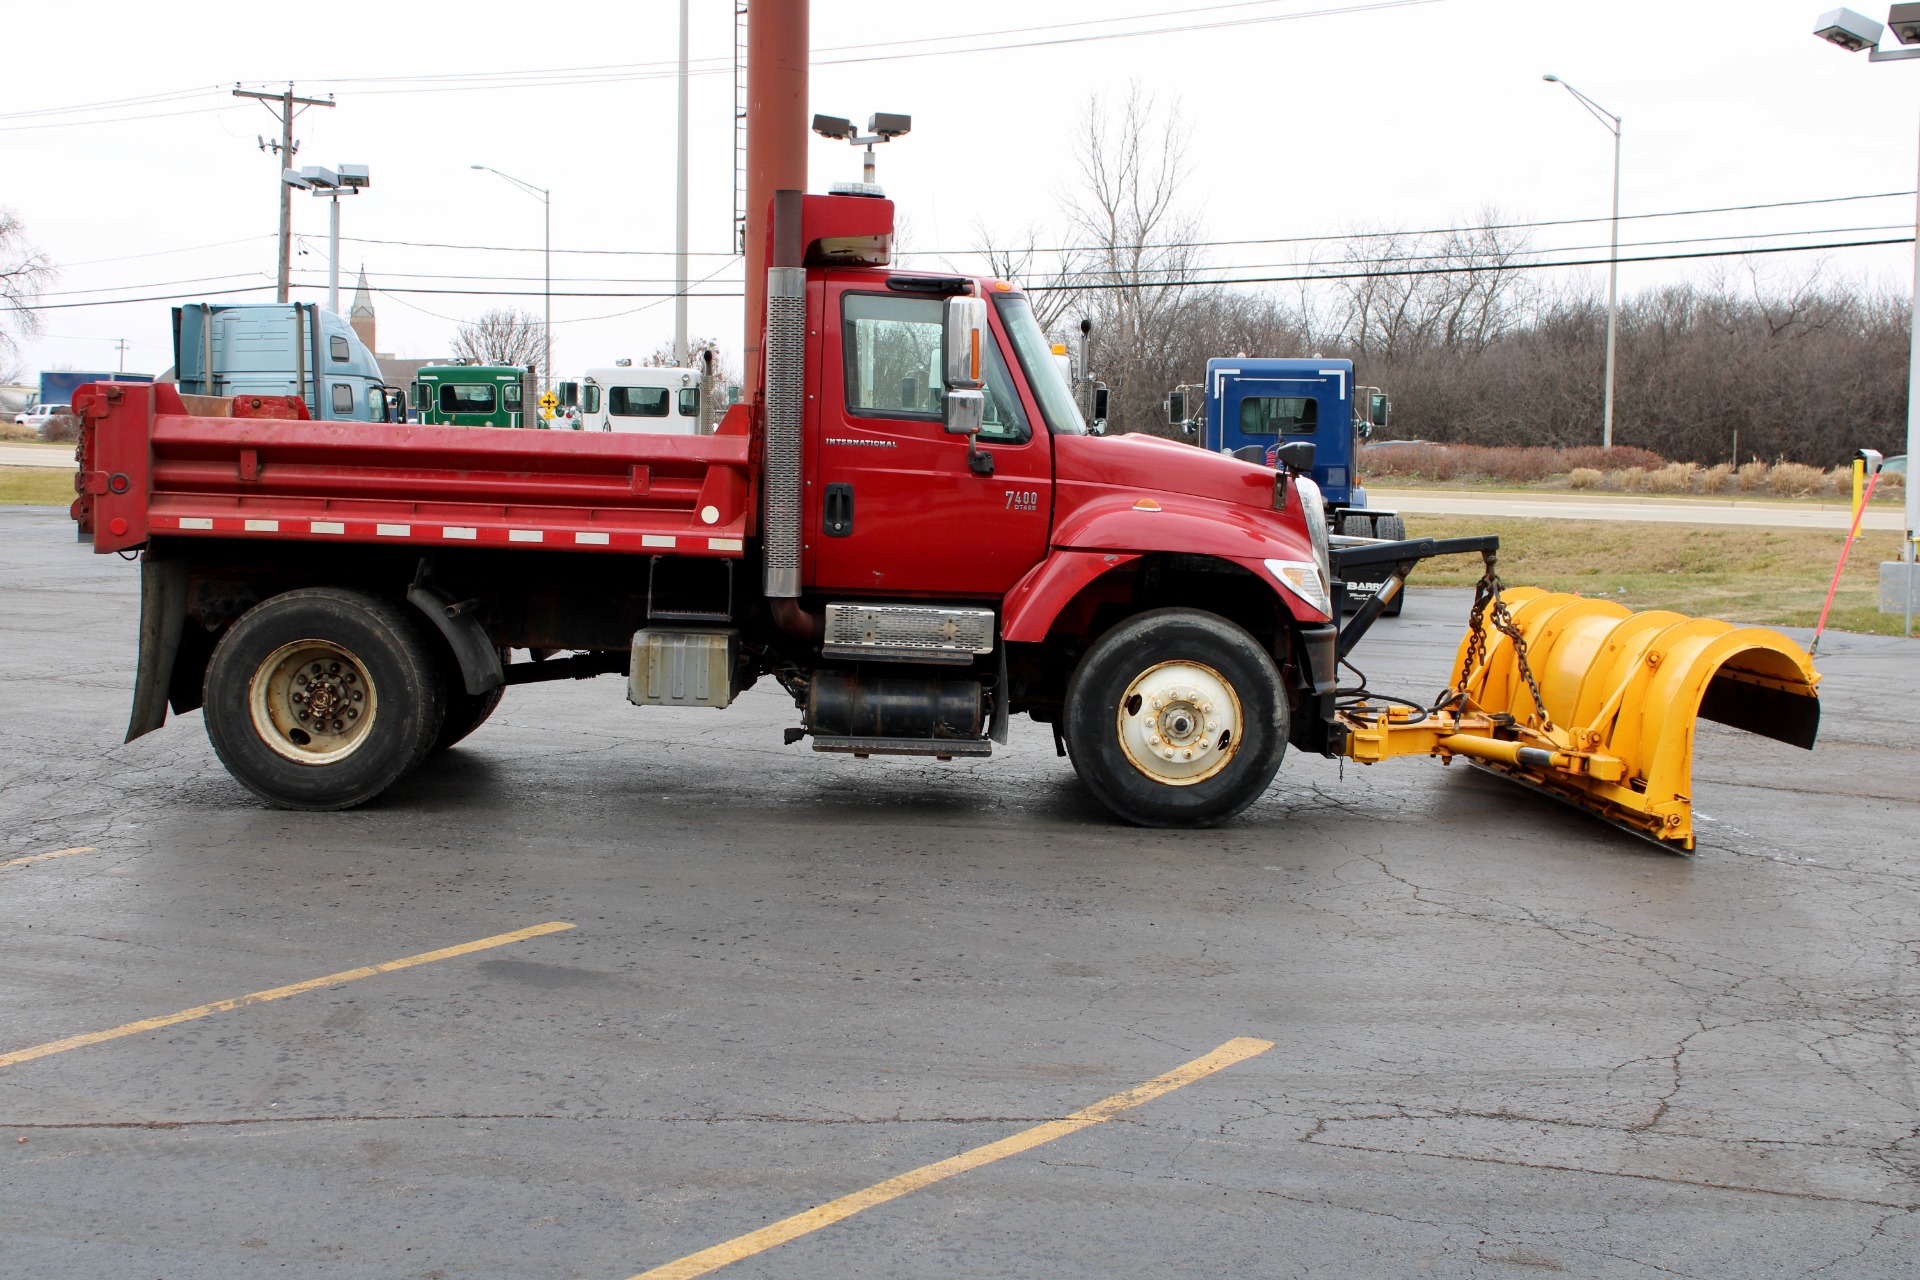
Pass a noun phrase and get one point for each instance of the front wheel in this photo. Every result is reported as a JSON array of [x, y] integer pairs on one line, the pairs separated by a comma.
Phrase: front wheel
[[322, 698], [1176, 718]]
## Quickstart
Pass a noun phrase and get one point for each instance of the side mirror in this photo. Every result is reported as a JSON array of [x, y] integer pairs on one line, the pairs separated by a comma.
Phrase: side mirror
[[1377, 409], [1295, 455], [966, 340], [569, 394], [1176, 410], [966, 411], [1099, 404]]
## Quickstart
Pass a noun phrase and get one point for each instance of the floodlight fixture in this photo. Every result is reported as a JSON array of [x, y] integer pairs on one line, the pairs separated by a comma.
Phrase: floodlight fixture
[[1852, 31], [293, 179], [320, 176], [886, 124], [1904, 19], [834, 127], [355, 176]]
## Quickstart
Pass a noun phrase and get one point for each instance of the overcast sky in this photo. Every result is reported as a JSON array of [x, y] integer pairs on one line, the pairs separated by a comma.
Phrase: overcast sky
[[1342, 114]]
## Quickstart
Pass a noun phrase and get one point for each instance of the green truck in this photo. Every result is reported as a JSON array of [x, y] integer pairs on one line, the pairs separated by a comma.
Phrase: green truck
[[472, 395]]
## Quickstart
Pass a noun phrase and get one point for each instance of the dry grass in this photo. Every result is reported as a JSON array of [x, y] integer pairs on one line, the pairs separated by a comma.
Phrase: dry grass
[[36, 486], [1771, 577], [1620, 470]]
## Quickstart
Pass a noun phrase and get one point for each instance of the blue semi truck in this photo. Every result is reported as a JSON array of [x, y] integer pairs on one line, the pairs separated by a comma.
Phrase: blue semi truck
[[281, 349], [1249, 407]]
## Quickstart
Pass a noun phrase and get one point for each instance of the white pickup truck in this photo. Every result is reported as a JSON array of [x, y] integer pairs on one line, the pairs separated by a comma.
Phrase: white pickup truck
[[644, 400]]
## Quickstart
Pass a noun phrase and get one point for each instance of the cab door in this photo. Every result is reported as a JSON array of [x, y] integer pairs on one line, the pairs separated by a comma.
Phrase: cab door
[[892, 505]]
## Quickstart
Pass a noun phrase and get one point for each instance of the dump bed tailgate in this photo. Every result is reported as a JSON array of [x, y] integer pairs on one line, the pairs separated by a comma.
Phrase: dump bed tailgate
[[148, 468]]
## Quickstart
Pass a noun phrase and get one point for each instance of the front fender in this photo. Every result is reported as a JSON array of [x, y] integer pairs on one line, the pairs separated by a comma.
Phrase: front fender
[[1106, 534]]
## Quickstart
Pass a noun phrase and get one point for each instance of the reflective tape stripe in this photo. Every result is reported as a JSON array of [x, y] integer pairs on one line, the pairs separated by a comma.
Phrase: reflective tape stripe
[[591, 539], [326, 526], [723, 544], [455, 531], [525, 535], [263, 526], [655, 540], [195, 522], [394, 530]]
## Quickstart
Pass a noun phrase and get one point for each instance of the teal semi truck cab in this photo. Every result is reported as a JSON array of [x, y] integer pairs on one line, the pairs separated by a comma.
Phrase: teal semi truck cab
[[1249, 407], [279, 349], [471, 395]]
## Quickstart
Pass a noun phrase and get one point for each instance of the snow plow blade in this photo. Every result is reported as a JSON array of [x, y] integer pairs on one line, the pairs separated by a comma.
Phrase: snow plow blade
[[1610, 729]]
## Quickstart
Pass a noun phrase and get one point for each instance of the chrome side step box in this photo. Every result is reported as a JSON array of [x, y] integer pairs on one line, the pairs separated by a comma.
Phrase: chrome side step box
[[907, 633], [939, 748]]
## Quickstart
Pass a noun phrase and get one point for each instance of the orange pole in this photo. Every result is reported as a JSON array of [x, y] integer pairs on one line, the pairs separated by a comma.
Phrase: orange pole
[[1853, 534], [777, 50]]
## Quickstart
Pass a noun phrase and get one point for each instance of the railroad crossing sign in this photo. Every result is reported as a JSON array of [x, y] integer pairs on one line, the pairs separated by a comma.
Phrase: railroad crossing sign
[[548, 403]]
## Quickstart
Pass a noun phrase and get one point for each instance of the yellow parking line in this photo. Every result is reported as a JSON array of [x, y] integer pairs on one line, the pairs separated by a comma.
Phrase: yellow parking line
[[43, 857], [800, 1224], [277, 993]]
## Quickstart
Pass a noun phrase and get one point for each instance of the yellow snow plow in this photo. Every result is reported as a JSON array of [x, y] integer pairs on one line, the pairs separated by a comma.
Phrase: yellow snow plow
[[1584, 699]]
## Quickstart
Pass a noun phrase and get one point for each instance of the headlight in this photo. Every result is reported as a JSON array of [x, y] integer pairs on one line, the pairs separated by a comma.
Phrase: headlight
[[1302, 577], [1314, 507]]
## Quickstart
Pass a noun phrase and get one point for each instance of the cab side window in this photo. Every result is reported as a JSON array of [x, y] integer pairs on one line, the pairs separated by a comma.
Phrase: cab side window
[[893, 346], [511, 392], [338, 345], [637, 402]]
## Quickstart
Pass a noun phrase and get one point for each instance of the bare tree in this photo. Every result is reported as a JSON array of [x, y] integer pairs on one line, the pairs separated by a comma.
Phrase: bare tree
[[24, 272], [502, 336], [1141, 260], [1460, 289], [1054, 290], [662, 357]]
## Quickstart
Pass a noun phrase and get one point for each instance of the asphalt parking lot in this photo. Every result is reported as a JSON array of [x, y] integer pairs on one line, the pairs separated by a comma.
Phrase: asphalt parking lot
[[1506, 1040]]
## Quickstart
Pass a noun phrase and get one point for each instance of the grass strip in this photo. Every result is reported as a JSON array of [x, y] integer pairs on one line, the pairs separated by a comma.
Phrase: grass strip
[[36, 486], [1769, 577]]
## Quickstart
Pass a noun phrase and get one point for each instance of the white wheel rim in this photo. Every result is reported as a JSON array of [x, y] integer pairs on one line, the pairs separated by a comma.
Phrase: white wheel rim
[[1179, 723], [312, 702]]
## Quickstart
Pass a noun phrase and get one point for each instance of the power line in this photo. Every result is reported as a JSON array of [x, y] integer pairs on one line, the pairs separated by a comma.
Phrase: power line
[[1429, 231], [1467, 270]]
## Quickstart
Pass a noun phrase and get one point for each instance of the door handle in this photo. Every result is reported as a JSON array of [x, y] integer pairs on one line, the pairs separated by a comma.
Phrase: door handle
[[837, 513]]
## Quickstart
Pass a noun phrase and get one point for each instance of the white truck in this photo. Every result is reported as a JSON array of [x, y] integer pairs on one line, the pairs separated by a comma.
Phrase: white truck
[[637, 400]]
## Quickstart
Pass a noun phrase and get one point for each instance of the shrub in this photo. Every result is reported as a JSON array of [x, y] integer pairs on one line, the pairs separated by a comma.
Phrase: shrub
[[1631, 479], [1795, 479], [1586, 478], [62, 427], [1714, 479], [1753, 475], [1675, 477]]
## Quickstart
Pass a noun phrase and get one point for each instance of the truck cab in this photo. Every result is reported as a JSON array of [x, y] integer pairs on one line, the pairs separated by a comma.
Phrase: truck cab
[[471, 395], [222, 350], [635, 400]]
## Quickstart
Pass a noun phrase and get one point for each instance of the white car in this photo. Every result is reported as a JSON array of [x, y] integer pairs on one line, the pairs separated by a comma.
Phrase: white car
[[40, 415]]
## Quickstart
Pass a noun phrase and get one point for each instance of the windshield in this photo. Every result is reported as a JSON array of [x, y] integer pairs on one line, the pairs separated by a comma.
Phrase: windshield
[[1043, 375]]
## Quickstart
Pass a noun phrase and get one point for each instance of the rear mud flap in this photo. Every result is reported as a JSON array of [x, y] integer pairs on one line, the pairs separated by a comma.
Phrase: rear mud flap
[[163, 613]]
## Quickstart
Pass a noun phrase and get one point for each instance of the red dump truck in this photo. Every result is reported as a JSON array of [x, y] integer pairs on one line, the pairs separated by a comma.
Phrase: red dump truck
[[906, 524], [911, 530]]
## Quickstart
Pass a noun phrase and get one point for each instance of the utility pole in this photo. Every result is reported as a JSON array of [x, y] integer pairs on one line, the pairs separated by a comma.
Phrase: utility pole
[[285, 149], [121, 343], [680, 211]]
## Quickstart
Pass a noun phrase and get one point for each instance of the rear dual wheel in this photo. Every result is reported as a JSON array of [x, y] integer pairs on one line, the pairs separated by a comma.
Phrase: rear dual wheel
[[1176, 718], [323, 698]]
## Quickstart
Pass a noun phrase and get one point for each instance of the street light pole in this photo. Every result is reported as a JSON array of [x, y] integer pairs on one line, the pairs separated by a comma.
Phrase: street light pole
[[1612, 123], [1859, 34], [680, 211], [333, 253], [546, 327]]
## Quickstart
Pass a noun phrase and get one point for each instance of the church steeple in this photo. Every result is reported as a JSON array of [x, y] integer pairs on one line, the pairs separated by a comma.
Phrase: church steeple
[[360, 314]]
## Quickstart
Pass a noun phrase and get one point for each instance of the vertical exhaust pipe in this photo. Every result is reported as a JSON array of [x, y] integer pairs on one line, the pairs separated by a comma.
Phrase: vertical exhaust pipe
[[786, 367]]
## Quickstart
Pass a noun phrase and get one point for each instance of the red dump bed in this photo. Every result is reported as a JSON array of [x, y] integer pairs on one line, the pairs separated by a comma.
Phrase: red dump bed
[[148, 468]]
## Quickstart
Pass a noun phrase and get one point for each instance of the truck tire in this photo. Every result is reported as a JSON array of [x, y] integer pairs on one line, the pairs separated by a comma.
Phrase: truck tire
[[1176, 718], [1393, 529], [352, 654], [465, 711]]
